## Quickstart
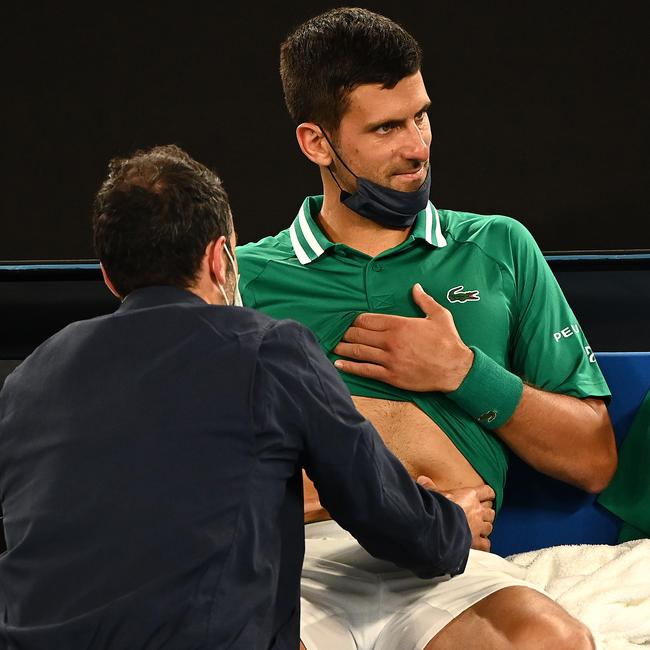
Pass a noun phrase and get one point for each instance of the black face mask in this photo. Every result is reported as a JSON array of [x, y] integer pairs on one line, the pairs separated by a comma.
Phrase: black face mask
[[383, 205]]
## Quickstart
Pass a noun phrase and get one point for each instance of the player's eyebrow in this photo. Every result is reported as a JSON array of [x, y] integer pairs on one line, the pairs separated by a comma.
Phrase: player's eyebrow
[[397, 122]]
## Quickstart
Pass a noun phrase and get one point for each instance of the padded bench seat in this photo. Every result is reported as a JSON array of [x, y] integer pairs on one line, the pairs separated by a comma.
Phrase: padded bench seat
[[539, 511]]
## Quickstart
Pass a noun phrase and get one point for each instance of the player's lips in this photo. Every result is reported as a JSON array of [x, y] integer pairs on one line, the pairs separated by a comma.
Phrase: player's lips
[[413, 175]]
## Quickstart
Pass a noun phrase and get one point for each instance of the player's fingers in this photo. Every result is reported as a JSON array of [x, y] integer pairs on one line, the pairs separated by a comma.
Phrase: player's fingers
[[376, 322], [370, 370], [481, 543], [367, 337], [360, 352]]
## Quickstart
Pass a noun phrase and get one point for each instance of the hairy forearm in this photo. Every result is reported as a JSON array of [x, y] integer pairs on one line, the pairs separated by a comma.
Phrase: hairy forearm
[[565, 437]]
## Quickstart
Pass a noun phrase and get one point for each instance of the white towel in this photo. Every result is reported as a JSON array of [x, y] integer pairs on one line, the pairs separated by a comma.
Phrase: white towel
[[606, 587]]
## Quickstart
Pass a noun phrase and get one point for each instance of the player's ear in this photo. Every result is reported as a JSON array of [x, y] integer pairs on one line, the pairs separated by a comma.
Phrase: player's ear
[[314, 144]]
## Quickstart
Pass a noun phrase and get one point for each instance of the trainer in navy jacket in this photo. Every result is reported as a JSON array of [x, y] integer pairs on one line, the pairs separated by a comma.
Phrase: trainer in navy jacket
[[150, 477]]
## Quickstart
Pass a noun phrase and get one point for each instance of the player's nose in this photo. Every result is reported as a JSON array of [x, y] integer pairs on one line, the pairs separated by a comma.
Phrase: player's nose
[[416, 142]]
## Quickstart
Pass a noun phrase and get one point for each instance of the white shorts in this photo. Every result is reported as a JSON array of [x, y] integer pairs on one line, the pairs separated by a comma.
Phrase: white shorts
[[351, 600]]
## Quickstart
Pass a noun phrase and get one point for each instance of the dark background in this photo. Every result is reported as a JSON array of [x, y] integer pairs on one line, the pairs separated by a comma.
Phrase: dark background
[[540, 111]]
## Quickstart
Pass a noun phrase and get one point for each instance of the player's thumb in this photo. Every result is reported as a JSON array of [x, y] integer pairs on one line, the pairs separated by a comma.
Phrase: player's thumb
[[424, 301]]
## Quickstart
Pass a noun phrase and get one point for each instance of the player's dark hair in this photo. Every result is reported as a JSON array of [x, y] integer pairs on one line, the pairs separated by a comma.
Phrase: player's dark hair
[[154, 216], [328, 56]]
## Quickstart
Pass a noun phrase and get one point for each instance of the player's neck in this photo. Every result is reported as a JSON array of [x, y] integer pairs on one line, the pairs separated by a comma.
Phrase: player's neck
[[344, 226]]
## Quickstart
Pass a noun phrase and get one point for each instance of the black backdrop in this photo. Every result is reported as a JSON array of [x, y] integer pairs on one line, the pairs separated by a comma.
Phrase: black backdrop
[[541, 111]]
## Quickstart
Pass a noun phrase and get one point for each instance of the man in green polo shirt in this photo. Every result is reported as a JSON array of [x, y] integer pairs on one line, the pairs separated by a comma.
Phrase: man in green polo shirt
[[450, 332]]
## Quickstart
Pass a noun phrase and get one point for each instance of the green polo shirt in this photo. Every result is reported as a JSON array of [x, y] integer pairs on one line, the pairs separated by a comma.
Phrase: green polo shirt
[[489, 273]]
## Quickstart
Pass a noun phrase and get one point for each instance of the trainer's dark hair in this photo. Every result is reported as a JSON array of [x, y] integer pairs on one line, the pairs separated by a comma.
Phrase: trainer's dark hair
[[328, 56], [154, 216]]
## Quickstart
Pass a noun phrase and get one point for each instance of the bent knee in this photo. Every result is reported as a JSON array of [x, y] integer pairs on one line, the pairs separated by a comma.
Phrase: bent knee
[[554, 633]]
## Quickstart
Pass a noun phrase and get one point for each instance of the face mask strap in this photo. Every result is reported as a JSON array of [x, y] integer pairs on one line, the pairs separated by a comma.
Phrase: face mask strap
[[336, 153], [223, 293], [231, 256], [236, 300], [384, 205], [232, 263], [329, 169]]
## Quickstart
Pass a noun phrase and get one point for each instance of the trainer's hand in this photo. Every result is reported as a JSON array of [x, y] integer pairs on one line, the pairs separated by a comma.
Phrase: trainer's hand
[[420, 354], [426, 482], [478, 505]]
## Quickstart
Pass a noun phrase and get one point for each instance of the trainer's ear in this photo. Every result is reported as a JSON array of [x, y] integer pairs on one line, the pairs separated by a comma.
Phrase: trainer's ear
[[313, 143], [109, 284], [216, 260]]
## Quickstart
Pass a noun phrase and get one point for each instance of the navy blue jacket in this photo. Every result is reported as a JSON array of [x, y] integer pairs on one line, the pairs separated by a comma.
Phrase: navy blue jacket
[[150, 479]]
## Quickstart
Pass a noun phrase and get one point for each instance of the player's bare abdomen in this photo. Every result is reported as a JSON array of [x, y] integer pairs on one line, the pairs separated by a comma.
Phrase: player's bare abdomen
[[416, 440]]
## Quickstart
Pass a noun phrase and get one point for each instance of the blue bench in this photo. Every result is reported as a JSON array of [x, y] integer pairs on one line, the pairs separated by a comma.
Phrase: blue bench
[[539, 511]]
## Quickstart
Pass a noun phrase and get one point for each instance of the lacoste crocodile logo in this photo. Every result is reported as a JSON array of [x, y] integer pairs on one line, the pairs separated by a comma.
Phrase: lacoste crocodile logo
[[456, 294]]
